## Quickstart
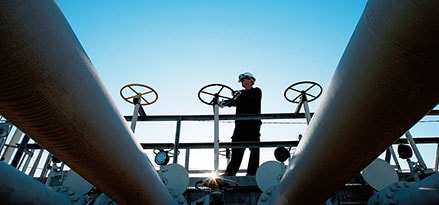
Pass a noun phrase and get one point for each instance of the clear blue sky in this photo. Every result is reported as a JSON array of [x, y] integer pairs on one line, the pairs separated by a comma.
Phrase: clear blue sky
[[177, 47]]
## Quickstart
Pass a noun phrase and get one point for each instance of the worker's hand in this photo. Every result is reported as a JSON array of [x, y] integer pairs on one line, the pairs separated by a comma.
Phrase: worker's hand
[[236, 93], [223, 103]]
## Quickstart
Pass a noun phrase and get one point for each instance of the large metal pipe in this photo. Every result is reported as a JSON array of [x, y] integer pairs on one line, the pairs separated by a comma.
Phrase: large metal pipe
[[51, 91], [424, 192], [18, 188], [386, 80]]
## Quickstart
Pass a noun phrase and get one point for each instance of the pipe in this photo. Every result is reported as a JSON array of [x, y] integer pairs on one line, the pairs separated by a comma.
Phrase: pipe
[[424, 192], [384, 83], [53, 93], [18, 188]]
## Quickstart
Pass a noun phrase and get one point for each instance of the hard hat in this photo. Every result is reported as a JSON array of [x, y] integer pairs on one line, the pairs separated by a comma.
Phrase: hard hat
[[246, 75]]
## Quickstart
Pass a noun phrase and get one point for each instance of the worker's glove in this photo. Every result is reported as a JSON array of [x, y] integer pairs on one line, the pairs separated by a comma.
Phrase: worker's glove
[[236, 93], [223, 103]]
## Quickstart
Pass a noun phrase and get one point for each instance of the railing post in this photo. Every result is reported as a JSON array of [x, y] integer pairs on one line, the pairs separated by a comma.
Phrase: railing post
[[30, 154], [177, 141], [20, 151], [46, 166], [415, 149], [36, 163], [436, 164], [395, 158], [186, 161], [9, 150]]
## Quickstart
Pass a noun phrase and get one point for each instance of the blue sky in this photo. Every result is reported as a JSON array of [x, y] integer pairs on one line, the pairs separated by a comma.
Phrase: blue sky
[[177, 47]]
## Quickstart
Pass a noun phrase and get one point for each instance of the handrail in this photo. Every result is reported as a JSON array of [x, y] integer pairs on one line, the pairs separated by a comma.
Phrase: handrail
[[221, 117], [209, 145], [176, 146], [228, 117]]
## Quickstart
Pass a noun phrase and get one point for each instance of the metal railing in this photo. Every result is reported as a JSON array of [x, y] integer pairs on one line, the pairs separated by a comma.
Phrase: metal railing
[[177, 145], [23, 152]]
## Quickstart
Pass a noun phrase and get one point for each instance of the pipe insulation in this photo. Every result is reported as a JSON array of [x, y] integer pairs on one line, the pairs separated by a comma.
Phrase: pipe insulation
[[18, 188], [386, 81], [51, 91]]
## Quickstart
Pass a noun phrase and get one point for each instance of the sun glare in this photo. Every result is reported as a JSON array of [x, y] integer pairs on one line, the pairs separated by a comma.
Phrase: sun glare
[[213, 175]]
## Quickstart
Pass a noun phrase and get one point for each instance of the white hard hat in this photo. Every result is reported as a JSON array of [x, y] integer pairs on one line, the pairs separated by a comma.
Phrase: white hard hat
[[246, 75]]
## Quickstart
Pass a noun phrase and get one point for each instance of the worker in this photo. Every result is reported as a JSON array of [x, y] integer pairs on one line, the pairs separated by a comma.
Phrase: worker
[[246, 101]]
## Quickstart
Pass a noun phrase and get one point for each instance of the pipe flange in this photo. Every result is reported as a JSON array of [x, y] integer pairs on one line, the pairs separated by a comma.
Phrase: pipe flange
[[387, 195], [70, 193], [266, 197]]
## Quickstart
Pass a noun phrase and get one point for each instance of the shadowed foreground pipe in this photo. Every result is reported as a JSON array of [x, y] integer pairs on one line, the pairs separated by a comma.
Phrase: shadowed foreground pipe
[[386, 80], [51, 91], [18, 188], [424, 192]]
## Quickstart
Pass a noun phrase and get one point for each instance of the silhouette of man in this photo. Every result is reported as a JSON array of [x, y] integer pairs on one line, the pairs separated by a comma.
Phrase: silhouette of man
[[246, 101]]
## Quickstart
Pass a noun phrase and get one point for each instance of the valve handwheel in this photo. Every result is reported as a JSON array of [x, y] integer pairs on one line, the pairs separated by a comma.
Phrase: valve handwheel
[[145, 93], [310, 89], [214, 92]]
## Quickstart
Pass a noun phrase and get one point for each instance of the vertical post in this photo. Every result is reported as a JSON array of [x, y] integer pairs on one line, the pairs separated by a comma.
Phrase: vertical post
[[7, 155], [304, 100], [36, 163], [388, 155], [46, 166], [30, 154], [20, 151], [307, 113], [216, 137], [177, 141], [186, 161], [395, 158], [412, 170], [415, 149], [4, 131], [136, 102], [2, 143], [436, 164]]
